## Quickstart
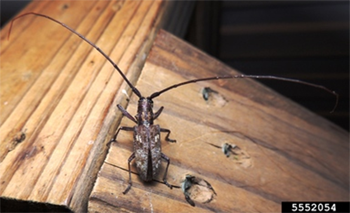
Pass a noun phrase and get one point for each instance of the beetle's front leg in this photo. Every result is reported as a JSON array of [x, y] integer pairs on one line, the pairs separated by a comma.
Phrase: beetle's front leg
[[167, 136], [126, 113], [125, 128], [155, 116]]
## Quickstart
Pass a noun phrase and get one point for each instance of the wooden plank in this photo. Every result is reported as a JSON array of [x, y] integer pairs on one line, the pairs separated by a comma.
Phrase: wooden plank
[[20, 26], [57, 90], [291, 153]]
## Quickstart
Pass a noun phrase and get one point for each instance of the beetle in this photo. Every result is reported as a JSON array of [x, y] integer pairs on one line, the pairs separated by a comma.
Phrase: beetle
[[147, 144]]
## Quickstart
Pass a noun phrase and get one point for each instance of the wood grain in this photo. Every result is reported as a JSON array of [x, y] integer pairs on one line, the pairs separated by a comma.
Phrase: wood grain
[[292, 154], [59, 90], [61, 94]]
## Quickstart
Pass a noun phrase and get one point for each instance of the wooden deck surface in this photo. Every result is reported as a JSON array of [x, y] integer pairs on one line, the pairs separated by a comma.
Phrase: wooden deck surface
[[289, 153], [62, 95], [59, 90]]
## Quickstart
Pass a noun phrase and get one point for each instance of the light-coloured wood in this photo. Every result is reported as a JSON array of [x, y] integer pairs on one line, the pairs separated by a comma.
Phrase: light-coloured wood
[[62, 94], [58, 90], [293, 154]]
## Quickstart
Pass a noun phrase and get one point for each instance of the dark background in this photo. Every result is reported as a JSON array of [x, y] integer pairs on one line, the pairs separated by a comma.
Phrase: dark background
[[306, 40]]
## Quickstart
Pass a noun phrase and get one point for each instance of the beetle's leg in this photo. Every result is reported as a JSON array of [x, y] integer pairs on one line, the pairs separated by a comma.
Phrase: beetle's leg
[[209, 186], [167, 136], [125, 128], [125, 113], [189, 200], [155, 116], [132, 156], [166, 170]]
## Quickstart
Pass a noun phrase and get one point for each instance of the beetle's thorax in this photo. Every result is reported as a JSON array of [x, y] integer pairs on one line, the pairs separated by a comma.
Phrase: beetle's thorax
[[145, 111]]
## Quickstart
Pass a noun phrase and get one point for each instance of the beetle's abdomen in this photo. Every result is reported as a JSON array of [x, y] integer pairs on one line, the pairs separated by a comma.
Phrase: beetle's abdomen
[[147, 151]]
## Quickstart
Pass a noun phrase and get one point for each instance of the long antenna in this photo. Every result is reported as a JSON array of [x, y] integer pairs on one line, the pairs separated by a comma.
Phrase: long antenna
[[136, 91], [156, 94]]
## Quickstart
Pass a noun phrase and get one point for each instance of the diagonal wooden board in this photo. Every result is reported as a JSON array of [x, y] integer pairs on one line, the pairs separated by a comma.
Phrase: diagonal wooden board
[[57, 90], [291, 153]]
